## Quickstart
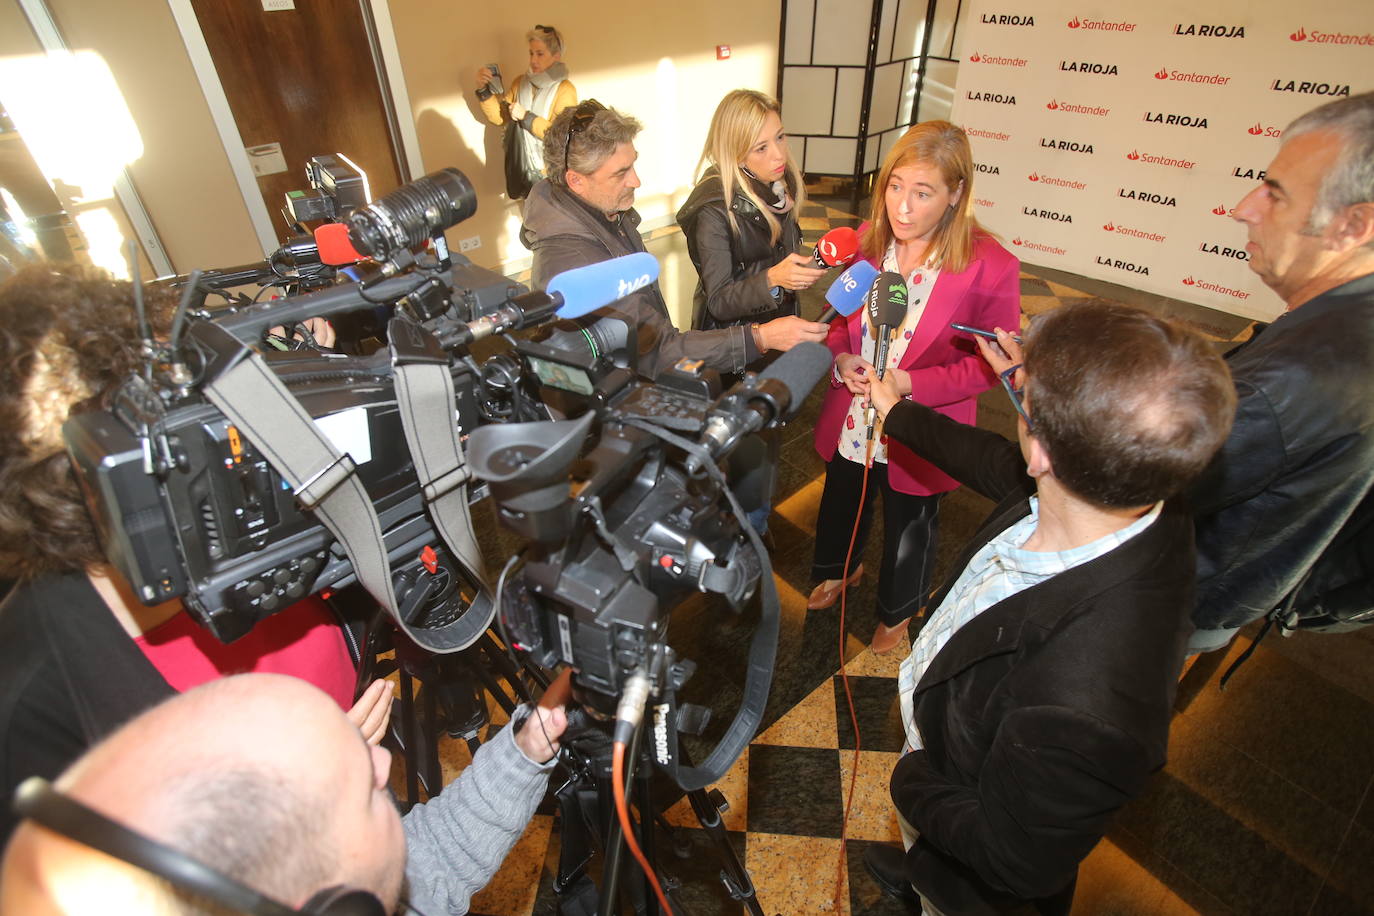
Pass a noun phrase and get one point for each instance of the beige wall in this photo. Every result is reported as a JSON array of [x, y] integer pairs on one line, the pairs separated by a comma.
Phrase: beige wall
[[183, 176], [655, 61]]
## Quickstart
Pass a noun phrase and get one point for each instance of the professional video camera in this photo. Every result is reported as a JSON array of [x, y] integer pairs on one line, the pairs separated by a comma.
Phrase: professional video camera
[[648, 519], [240, 482]]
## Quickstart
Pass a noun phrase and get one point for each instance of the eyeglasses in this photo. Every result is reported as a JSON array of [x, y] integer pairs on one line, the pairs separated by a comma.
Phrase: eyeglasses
[[582, 118], [1017, 395]]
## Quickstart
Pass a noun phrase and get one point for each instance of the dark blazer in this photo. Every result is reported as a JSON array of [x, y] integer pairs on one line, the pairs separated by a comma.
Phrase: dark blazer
[[732, 267], [1048, 711]]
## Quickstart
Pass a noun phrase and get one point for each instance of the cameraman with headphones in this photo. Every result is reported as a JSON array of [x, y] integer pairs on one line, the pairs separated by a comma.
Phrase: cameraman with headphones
[[264, 780]]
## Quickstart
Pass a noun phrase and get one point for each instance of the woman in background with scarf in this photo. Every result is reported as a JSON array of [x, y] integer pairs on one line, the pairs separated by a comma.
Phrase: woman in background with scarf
[[527, 106]]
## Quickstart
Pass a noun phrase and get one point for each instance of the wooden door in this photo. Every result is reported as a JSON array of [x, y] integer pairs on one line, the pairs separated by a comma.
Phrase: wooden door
[[303, 78]]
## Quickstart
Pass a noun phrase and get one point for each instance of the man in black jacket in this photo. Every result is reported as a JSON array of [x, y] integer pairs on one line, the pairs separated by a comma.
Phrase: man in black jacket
[[1292, 490], [1038, 691], [583, 213]]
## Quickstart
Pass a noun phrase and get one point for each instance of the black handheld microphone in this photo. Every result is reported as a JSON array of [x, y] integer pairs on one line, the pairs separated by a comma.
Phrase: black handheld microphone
[[886, 304], [769, 399]]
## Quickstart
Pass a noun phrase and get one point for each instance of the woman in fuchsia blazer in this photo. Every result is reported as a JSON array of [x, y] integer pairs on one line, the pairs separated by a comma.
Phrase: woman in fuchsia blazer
[[923, 228]]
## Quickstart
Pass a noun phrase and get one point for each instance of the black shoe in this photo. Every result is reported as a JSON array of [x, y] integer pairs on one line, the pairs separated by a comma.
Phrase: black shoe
[[887, 865]]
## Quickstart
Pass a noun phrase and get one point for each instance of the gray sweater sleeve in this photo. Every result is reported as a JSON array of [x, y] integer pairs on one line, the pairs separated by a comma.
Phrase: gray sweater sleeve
[[457, 841]]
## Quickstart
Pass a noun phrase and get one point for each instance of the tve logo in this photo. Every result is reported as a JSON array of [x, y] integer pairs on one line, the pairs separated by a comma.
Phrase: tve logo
[[625, 287]]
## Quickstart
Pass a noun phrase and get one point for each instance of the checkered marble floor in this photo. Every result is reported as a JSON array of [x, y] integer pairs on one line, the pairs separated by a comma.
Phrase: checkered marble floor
[[1267, 805]]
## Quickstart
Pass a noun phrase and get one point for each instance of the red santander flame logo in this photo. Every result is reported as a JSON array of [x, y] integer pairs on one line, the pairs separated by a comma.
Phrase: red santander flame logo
[[1219, 210], [1162, 73], [974, 57], [1016, 241], [1074, 23], [1053, 105], [1189, 281], [1299, 35], [1033, 176], [1109, 227], [1133, 155], [1256, 130]]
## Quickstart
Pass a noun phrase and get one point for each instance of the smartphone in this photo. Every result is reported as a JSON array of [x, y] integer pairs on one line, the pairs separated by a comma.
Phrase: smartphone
[[980, 332], [496, 86]]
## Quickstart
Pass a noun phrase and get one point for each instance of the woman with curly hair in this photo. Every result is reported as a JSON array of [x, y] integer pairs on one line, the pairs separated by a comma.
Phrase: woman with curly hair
[[79, 653]]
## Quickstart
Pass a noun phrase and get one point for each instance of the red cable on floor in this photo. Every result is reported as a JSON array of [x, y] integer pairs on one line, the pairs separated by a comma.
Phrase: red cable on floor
[[844, 678]]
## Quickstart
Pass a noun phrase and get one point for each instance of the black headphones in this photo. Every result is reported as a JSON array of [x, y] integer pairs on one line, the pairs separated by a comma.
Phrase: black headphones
[[37, 800]]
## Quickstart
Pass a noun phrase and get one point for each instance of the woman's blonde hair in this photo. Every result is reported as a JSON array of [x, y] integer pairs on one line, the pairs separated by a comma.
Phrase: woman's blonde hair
[[945, 146], [734, 128]]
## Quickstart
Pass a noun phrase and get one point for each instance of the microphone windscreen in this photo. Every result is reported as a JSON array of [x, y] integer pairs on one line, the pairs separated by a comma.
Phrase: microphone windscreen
[[846, 294], [799, 369], [838, 247], [586, 289], [886, 300], [335, 248]]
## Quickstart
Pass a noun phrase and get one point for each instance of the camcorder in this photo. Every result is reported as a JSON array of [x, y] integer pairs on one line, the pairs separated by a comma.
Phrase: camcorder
[[241, 481]]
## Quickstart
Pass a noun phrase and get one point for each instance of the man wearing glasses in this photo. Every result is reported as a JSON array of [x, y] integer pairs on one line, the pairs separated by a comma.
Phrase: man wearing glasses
[[1038, 692], [583, 213]]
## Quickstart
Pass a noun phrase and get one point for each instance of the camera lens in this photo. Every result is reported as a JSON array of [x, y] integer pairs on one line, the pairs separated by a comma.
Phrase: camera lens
[[411, 214]]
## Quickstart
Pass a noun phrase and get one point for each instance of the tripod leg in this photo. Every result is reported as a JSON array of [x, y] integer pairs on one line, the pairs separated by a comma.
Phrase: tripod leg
[[733, 872]]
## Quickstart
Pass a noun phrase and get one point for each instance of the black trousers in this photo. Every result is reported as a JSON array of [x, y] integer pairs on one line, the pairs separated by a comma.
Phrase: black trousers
[[909, 533]]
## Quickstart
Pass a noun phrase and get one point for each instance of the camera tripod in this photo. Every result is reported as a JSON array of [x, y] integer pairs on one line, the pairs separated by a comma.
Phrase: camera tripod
[[588, 815]]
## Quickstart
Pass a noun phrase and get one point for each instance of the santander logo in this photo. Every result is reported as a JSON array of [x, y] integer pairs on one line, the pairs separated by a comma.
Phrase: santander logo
[[974, 57], [1133, 155], [1053, 105], [1016, 241], [1162, 73], [1033, 176], [1074, 23], [1299, 35], [1189, 281], [1109, 227], [1219, 210], [1256, 130], [1260, 130]]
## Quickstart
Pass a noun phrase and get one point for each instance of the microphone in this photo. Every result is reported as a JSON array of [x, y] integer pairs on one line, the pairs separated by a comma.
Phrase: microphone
[[886, 305], [586, 289], [836, 248], [846, 294], [768, 399], [571, 294], [335, 249]]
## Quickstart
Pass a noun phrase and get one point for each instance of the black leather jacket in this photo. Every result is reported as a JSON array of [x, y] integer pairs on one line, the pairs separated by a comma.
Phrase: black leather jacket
[[732, 269], [1299, 461]]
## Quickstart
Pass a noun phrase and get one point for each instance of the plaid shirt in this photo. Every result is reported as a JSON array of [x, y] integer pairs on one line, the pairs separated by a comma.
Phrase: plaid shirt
[[996, 572]]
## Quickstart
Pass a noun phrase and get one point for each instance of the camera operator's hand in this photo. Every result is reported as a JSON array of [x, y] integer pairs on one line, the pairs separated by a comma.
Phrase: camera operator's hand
[[786, 332], [538, 736], [484, 76], [796, 271], [855, 372], [321, 330], [372, 712]]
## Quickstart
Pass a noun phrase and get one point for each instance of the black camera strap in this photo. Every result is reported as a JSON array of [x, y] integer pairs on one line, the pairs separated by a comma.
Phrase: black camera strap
[[763, 648], [257, 401]]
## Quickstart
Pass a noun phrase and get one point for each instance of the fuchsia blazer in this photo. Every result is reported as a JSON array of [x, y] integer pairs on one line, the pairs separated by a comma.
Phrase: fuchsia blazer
[[947, 372]]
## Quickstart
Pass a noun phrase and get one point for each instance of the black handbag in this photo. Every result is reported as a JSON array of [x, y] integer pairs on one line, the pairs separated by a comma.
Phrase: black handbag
[[519, 177]]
